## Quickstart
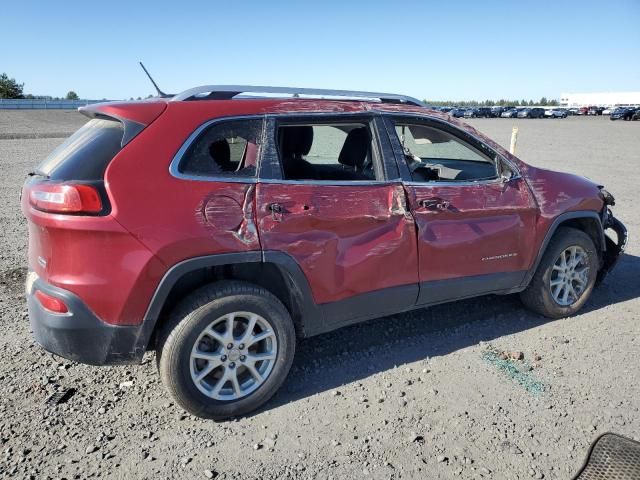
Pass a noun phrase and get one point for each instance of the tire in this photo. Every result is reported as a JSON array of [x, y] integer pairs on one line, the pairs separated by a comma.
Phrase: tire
[[538, 296], [212, 306]]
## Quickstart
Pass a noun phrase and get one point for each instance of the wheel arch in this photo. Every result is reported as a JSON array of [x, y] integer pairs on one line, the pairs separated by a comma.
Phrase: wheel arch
[[587, 221], [277, 272]]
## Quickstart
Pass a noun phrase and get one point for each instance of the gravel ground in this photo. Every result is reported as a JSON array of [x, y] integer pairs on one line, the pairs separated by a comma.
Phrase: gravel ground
[[418, 395]]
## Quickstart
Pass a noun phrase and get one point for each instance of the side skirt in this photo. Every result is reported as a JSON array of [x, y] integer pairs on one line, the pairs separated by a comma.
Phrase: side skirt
[[394, 300]]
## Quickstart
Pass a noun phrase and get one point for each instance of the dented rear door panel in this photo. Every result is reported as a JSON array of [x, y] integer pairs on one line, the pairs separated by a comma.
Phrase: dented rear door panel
[[347, 239]]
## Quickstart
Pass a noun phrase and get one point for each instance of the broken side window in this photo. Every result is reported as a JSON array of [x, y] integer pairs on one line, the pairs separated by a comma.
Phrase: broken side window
[[224, 149]]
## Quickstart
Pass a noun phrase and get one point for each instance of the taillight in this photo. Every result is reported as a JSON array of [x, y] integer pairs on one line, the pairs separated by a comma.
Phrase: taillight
[[50, 303], [65, 198]]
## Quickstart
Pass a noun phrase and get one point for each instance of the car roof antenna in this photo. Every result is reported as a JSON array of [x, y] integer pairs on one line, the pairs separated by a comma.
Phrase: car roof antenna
[[161, 94]]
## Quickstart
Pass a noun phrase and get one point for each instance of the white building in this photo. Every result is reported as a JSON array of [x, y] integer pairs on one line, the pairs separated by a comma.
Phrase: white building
[[600, 99]]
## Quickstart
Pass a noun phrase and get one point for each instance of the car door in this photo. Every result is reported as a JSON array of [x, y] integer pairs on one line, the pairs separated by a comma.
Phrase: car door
[[349, 231], [474, 227]]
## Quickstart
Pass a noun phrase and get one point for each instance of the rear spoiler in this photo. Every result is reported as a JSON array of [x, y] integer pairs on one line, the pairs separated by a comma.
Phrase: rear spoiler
[[134, 116]]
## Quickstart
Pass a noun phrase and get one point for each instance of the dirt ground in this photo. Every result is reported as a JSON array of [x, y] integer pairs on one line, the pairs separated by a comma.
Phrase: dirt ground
[[417, 395]]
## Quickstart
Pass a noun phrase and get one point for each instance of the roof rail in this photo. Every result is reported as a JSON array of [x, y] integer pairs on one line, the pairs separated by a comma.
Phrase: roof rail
[[227, 92]]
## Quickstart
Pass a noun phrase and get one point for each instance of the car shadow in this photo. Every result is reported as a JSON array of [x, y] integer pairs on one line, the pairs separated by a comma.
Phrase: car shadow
[[353, 353]]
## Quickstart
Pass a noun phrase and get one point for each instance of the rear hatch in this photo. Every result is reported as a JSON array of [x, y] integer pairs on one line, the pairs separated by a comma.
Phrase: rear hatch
[[64, 197]]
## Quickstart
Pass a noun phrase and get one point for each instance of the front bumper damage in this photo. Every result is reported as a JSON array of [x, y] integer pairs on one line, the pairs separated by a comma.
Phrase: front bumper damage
[[614, 247]]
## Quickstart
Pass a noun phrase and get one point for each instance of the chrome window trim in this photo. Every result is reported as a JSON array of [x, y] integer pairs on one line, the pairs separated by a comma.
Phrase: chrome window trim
[[177, 158], [336, 183], [517, 175]]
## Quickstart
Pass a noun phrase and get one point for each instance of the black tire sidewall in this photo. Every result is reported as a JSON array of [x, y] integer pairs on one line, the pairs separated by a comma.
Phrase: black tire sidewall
[[565, 239], [175, 358]]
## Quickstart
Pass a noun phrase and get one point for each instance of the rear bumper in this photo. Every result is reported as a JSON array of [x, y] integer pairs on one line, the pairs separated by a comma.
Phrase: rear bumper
[[80, 335]]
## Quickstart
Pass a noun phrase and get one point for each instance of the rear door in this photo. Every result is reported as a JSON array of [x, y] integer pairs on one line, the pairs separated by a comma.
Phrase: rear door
[[474, 228], [327, 198]]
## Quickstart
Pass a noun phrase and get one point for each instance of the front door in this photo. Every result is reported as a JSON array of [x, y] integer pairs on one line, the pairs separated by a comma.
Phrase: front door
[[332, 205], [474, 225]]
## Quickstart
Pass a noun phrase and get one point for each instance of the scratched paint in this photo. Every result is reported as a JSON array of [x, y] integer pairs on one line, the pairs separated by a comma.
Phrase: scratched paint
[[347, 239]]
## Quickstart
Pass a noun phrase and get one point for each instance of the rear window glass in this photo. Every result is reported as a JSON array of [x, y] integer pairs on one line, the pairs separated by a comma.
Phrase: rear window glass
[[85, 154]]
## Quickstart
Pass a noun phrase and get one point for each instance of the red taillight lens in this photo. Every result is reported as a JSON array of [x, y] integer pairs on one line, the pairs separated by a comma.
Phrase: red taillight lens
[[65, 198], [50, 303]]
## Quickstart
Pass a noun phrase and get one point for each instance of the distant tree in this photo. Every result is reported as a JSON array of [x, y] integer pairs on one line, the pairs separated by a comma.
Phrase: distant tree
[[139, 98], [544, 101], [29, 96], [553, 103], [9, 88], [72, 95]]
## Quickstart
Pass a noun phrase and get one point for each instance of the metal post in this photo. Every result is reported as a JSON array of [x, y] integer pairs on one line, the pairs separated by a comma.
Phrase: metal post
[[514, 140]]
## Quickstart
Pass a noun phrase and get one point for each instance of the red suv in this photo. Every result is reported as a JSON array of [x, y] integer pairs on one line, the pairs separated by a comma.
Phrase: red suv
[[218, 226]]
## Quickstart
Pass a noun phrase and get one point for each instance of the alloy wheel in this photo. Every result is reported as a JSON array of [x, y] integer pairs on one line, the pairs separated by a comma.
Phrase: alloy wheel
[[569, 276], [233, 356]]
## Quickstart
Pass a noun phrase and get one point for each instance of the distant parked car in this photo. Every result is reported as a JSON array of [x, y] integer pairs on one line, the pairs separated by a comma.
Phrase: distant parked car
[[511, 113], [622, 113], [478, 112], [636, 115], [555, 113], [457, 112], [573, 111], [608, 110], [498, 111], [535, 112], [595, 110]]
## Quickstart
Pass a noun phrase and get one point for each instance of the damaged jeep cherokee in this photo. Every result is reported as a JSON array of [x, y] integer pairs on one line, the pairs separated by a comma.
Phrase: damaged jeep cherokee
[[219, 226]]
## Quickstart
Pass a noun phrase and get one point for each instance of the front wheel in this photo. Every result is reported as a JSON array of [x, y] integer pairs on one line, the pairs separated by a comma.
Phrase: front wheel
[[226, 350], [565, 276]]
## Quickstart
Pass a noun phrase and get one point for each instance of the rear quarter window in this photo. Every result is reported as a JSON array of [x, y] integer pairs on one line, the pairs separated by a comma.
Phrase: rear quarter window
[[85, 154], [226, 148]]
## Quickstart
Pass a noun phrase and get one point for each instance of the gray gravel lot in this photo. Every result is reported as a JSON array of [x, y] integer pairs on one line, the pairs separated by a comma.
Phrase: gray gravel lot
[[407, 396]]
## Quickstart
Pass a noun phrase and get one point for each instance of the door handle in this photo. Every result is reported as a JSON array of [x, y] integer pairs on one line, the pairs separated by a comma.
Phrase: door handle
[[435, 204]]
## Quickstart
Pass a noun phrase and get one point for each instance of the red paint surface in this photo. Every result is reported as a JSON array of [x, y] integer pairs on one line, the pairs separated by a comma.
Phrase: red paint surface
[[144, 111], [481, 222], [347, 239]]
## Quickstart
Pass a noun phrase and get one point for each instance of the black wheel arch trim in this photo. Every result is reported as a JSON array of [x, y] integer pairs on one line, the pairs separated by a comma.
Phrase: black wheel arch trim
[[563, 217], [301, 290]]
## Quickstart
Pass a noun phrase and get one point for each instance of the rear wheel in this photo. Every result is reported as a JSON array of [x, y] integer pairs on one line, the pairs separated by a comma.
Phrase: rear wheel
[[226, 350], [565, 276]]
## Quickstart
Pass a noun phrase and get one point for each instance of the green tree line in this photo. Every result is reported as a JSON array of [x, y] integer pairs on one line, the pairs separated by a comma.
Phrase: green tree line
[[10, 88]]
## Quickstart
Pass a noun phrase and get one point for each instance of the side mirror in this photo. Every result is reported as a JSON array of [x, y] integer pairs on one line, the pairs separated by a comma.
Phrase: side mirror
[[507, 172]]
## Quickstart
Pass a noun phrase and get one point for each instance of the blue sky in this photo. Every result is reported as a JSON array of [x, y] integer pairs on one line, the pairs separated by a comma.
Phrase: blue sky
[[428, 49]]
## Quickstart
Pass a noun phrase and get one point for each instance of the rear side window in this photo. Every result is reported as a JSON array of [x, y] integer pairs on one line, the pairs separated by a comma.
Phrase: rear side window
[[85, 154], [330, 152], [224, 149]]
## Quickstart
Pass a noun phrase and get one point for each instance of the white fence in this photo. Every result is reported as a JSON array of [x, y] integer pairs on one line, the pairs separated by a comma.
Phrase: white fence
[[43, 104]]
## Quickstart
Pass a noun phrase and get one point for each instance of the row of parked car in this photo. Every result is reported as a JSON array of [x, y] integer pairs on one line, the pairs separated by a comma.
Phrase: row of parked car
[[616, 113]]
